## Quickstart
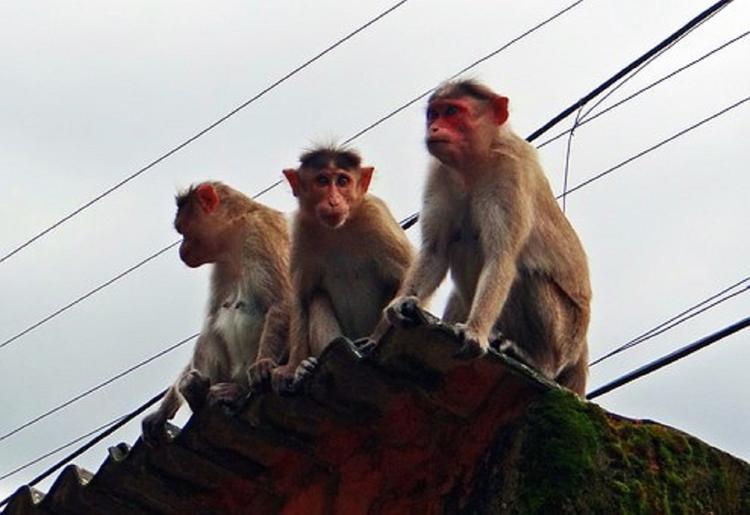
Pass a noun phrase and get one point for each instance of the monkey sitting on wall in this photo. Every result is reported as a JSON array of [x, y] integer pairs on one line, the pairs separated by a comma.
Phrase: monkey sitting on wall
[[348, 258], [489, 216], [244, 334]]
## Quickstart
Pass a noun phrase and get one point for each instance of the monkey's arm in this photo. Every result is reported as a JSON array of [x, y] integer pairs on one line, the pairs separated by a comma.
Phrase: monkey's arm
[[506, 219], [299, 347], [422, 279], [273, 344], [152, 424]]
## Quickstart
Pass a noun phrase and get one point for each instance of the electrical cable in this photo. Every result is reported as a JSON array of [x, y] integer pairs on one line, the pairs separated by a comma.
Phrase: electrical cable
[[109, 282], [678, 319], [463, 70], [654, 147], [669, 358], [201, 132], [646, 88], [612, 80], [113, 426], [408, 222], [97, 387]]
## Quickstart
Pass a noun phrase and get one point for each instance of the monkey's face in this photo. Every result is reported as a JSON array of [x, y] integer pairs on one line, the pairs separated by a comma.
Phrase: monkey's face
[[460, 131], [199, 238], [333, 193]]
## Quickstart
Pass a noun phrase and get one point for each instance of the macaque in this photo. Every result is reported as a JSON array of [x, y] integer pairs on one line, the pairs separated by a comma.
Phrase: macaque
[[244, 334], [489, 216], [348, 258]]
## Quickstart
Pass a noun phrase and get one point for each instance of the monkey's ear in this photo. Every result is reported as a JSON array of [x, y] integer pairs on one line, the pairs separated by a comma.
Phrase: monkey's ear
[[208, 198], [293, 177], [500, 108], [365, 176]]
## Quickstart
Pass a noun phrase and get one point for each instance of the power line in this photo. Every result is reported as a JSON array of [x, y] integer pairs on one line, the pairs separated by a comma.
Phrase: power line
[[113, 426], [57, 450], [409, 222], [462, 71], [670, 358], [97, 387], [612, 80], [650, 60], [654, 147], [203, 131], [412, 219], [679, 318], [109, 282], [646, 88], [87, 295]]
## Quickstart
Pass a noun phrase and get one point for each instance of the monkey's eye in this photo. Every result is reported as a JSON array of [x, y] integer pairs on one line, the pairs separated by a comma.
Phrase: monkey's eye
[[322, 180], [451, 110], [431, 115], [342, 180]]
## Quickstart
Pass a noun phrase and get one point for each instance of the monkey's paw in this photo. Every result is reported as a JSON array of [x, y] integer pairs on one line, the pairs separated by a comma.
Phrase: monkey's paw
[[402, 312], [474, 345], [229, 394], [282, 379], [194, 388], [304, 371], [365, 345], [259, 373], [154, 430]]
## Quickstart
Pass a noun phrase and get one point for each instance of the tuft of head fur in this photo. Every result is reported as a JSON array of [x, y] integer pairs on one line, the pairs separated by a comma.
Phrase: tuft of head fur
[[234, 202], [463, 88], [323, 156]]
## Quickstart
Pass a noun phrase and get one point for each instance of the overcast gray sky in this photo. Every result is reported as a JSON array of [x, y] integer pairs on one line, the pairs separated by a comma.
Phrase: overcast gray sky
[[92, 91]]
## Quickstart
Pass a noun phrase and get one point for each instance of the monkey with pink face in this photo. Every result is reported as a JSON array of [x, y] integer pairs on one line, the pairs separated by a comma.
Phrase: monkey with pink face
[[245, 331], [489, 216]]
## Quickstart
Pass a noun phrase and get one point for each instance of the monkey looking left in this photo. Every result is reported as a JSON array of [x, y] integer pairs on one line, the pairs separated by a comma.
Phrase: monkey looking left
[[244, 333]]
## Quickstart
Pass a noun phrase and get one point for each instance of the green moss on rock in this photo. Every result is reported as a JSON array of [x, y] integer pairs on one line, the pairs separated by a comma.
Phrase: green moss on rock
[[569, 456]]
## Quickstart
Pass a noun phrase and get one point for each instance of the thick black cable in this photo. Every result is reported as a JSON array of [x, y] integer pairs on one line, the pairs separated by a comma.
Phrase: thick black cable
[[114, 426], [612, 80], [97, 387], [462, 71], [203, 131], [645, 64], [587, 119], [408, 222], [654, 147], [681, 317], [670, 358], [56, 450]]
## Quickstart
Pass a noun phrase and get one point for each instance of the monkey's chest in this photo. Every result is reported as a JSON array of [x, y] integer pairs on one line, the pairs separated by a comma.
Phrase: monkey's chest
[[354, 287], [239, 322], [465, 256]]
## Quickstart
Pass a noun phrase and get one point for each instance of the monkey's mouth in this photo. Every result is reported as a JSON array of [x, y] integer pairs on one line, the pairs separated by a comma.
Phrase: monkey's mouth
[[333, 220], [437, 141]]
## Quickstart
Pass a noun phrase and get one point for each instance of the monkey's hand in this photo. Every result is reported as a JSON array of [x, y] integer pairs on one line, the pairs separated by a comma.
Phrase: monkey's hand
[[225, 393], [304, 371], [365, 345], [402, 311], [474, 344], [194, 386], [154, 430], [259, 373], [282, 379]]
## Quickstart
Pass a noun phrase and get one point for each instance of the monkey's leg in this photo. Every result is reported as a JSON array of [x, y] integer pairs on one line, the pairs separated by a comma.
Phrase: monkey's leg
[[455, 310], [152, 424], [324, 326], [194, 388]]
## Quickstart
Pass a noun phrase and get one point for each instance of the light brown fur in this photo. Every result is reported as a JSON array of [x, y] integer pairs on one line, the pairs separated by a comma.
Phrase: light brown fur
[[244, 334], [346, 265], [489, 216]]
